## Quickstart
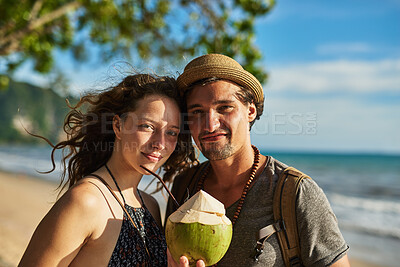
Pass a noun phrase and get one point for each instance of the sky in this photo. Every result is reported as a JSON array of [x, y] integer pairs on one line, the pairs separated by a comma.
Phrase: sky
[[334, 76]]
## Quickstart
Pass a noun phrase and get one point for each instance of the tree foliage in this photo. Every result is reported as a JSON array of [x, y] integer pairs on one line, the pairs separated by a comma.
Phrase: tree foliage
[[172, 29]]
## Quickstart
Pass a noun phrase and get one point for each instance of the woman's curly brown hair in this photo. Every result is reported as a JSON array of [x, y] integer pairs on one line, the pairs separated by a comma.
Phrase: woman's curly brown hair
[[90, 136]]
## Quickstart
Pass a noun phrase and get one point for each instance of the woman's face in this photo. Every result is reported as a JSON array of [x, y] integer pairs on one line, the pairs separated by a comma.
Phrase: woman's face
[[148, 135]]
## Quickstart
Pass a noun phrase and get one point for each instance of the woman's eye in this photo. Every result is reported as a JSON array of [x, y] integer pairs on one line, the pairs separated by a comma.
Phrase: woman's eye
[[146, 127], [172, 133]]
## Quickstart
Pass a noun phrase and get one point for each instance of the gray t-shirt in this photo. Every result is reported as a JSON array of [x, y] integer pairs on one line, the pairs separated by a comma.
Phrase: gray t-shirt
[[320, 239], [321, 242]]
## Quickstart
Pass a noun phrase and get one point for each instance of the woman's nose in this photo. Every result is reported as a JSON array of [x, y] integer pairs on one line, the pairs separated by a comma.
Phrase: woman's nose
[[158, 141]]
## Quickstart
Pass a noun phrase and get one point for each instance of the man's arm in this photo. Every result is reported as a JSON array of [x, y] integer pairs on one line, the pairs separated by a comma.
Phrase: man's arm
[[320, 236], [343, 262]]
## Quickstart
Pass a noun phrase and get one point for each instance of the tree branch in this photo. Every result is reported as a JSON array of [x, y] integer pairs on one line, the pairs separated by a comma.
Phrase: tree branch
[[6, 28], [8, 43], [205, 7], [53, 15], [35, 9]]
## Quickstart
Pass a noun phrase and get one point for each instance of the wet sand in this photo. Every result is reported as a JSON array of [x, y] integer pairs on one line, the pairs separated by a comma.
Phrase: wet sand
[[24, 200]]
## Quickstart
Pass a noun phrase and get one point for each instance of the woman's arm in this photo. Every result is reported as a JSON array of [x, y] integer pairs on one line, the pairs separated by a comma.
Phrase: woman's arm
[[64, 230]]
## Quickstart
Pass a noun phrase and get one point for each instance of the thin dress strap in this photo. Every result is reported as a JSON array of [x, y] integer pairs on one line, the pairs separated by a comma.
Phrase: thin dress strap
[[141, 199], [111, 191], [115, 182], [124, 209]]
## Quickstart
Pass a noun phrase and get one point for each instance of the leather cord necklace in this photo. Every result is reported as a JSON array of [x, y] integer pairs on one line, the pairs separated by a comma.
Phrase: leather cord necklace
[[246, 188], [123, 206]]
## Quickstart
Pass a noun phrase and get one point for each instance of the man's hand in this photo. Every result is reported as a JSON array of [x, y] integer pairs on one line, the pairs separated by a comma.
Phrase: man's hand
[[183, 261]]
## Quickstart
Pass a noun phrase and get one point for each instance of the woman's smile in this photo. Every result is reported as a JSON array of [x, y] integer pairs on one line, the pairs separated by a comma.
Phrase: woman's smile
[[153, 157]]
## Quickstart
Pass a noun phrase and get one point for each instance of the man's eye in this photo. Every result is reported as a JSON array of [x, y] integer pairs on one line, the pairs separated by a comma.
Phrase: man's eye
[[196, 112], [225, 108]]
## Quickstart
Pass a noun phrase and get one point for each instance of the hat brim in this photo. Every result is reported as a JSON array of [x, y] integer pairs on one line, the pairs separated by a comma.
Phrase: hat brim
[[239, 76]]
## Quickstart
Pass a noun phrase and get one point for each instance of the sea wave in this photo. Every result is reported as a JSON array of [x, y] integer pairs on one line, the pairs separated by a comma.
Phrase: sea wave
[[366, 203], [30, 164], [367, 215], [383, 232]]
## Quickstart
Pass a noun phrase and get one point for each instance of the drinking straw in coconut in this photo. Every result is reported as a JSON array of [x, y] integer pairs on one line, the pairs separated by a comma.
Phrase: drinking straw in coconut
[[165, 186]]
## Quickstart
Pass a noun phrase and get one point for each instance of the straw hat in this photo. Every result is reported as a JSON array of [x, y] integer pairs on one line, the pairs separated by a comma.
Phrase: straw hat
[[220, 66]]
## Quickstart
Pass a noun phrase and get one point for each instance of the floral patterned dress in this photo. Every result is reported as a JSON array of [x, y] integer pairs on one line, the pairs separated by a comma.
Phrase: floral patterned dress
[[142, 244], [130, 249]]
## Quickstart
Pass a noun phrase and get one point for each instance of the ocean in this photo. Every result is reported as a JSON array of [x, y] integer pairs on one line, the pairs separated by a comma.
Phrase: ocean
[[364, 192]]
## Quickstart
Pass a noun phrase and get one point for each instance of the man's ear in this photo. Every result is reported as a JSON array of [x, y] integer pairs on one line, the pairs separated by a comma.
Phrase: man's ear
[[252, 112], [117, 126]]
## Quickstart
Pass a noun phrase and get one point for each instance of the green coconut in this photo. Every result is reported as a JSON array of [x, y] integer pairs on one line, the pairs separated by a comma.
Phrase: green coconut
[[199, 229]]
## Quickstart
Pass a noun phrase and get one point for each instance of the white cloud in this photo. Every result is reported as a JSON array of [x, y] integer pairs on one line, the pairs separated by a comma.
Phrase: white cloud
[[344, 48], [338, 75], [335, 124], [343, 123]]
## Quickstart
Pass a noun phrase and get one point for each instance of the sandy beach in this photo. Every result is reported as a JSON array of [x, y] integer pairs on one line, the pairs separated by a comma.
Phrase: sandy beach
[[24, 201]]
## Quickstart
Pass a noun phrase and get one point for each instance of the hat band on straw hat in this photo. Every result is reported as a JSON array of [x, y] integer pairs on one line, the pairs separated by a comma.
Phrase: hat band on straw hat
[[219, 66]]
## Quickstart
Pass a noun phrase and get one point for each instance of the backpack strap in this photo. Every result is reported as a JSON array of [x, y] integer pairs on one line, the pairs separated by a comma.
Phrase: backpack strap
[[284, 209]]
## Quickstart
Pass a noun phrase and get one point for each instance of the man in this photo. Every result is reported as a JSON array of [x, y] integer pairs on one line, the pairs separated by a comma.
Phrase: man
[[223, 101]]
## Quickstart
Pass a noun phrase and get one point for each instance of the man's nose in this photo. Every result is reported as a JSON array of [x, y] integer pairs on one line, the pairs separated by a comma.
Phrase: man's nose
[[211, 121]]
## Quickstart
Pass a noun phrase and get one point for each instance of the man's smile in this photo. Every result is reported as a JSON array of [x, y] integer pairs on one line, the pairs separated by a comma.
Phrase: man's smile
[[212, 137]]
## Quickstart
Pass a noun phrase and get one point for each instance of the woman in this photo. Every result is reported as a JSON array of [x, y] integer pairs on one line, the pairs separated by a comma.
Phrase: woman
[[103, 219]]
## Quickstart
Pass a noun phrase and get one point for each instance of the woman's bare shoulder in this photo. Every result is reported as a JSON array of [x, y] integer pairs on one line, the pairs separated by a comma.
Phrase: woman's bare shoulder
[[87, 194]]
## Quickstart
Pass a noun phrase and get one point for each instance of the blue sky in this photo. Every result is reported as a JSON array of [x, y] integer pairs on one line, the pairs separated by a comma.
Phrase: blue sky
[[334, 70], [334, 81]]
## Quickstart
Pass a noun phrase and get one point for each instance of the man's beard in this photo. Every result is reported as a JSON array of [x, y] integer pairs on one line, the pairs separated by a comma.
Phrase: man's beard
[[215, 152]]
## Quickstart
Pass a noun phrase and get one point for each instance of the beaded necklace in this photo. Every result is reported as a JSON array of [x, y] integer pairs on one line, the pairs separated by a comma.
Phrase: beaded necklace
[[246, 188]]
